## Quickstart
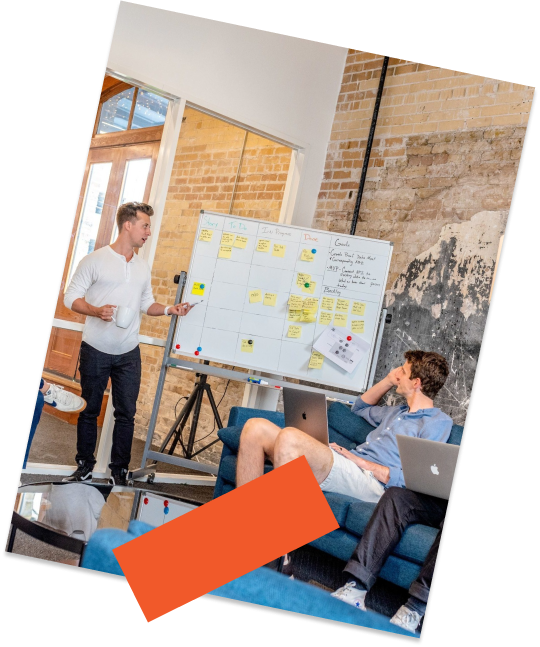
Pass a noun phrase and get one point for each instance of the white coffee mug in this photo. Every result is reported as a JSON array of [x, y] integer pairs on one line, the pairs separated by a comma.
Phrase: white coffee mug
[[123, 316]]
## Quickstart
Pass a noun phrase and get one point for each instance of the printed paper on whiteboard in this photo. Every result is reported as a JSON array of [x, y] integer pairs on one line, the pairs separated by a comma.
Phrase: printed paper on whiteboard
[[335, 345]]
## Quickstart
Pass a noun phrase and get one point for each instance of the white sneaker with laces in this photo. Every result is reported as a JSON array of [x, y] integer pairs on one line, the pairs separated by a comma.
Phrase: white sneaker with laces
[[351, 595], [63, 400], [406, 619]]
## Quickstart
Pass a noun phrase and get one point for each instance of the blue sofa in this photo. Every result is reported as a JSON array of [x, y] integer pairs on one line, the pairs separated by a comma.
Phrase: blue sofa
[[261, 586], [348, 430]]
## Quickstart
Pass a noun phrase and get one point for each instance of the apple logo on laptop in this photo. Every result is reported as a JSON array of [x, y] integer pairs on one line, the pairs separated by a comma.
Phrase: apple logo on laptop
[[304, 416], [435, 469]]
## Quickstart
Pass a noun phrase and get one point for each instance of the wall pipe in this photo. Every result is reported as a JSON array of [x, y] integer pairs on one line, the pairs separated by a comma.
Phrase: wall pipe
[[369, 145]]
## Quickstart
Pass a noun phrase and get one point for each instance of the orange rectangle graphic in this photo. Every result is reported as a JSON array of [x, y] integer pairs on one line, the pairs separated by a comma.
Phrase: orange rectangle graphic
[[226, 538]]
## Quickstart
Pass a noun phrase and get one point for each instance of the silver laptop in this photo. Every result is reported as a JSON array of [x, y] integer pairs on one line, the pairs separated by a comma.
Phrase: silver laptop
[[306, 411], [428, 466]]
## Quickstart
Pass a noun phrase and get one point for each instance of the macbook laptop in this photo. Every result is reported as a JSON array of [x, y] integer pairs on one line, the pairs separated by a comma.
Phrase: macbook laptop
[[428, 466], [306, 411]]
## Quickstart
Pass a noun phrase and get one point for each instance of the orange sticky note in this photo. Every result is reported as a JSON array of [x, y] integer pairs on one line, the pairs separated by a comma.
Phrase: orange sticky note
[[255, 524]]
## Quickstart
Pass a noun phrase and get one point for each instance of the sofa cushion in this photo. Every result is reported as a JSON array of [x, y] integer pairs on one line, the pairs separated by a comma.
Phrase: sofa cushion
[[339, 503], [348, 424], [455, 435], [230, 436], [238, 416]]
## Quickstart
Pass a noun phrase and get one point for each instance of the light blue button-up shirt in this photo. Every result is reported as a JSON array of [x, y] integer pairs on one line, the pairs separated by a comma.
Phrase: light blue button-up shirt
[[381, 444]]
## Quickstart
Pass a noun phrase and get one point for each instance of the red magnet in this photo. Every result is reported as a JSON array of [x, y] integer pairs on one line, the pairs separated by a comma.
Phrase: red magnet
[[196, 352], [166, 503], [349, 338], [177, 345], [145, 500]]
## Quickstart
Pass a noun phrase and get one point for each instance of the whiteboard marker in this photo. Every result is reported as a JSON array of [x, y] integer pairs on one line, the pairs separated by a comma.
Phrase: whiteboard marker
[[253, 380]]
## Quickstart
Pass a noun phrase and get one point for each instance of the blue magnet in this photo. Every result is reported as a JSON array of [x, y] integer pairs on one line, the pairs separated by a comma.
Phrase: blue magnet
[[313, 251], [202, 286], [166, 510], [199, 348]]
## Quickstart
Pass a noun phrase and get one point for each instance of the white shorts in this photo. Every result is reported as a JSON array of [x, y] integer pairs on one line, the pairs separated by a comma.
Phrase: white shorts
[[347, 478]]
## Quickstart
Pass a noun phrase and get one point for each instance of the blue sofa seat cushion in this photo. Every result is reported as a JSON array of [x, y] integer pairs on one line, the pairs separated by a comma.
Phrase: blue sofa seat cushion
[[456, 434]]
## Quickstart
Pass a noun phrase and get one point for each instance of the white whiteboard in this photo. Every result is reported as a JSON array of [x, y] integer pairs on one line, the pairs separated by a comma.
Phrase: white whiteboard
[[350, 268]]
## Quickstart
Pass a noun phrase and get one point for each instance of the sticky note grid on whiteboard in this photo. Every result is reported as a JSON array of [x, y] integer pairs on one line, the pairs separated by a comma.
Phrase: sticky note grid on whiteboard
[[280, 287]]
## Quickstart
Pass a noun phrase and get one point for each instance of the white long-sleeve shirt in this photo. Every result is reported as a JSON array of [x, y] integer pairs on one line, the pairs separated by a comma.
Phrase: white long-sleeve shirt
[[105, 277]]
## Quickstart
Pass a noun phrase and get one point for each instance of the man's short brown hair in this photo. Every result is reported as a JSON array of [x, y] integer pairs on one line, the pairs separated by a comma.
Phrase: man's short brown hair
[[431, 368], [128, 211]]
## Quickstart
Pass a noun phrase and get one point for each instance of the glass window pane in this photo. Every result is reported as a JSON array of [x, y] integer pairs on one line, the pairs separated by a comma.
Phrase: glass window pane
[[150, 110], [98, 178], [135, 177], [115, 112]]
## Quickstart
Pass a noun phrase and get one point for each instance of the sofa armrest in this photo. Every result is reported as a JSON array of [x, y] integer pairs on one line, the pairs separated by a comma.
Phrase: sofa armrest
[[240, 415]]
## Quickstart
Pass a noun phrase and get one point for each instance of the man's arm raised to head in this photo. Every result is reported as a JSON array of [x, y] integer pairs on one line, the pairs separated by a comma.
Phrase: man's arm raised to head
[[373, 395]]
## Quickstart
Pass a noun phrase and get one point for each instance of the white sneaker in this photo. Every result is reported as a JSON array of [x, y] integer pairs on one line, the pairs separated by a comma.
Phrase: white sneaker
[[406, 619], [351, 595], [63, 400]]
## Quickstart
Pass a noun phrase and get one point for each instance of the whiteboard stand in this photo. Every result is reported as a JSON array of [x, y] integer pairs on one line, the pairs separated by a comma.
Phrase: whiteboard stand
[[193, 404]]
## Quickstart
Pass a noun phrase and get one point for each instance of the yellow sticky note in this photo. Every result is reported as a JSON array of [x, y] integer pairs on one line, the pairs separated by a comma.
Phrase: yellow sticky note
[[357, 325], [295, 302], [294, 315], [302, 279], [269, 299], [306, 255], [255, 296], [279, 250], [240, 242], [295, 332], [310, 289], [263, 245], [225, 251], [327, 303], [227, 239], [316, 360], [311, 304], [342, 305], [358, 308], [340, 320], [198, 289], [247, 346], [325, 318], [206, 235], [308, 317]]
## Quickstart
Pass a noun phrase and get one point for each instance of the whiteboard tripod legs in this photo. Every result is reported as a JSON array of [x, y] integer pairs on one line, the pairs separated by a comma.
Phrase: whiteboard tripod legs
[[193, 404]]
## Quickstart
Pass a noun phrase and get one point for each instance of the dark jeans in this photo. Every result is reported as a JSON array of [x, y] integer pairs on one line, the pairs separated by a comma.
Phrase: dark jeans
[[397, 509], [35, 420], [125, 372]]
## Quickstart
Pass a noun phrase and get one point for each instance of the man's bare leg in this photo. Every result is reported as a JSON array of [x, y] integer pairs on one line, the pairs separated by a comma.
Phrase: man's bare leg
[[292, 443], [256, 443]]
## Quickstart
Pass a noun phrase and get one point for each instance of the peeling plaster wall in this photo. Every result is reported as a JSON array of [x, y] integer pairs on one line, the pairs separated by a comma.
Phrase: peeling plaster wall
[[440, 303]]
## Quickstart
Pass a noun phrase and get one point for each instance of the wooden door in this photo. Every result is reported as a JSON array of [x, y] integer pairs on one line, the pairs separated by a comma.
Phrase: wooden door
[[113, 175]]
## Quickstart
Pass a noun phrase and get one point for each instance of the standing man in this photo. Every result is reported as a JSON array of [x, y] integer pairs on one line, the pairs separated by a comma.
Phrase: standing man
[[110, 277]]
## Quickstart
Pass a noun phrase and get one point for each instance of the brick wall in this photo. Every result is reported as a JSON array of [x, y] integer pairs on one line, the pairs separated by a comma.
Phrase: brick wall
[[447, 146], [203, 177], [439, 185]]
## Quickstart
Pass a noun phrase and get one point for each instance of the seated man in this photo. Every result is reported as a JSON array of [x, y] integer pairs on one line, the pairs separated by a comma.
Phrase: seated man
[[397, 509], [374, 465]]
